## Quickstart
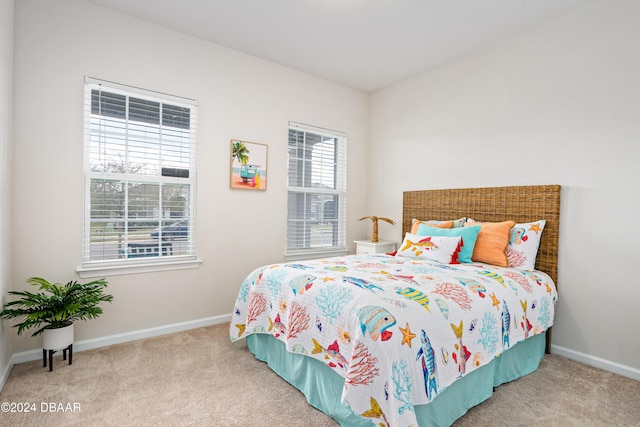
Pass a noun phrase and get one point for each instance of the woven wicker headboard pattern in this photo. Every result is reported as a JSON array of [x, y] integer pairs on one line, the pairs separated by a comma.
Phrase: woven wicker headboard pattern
[[518, 203]]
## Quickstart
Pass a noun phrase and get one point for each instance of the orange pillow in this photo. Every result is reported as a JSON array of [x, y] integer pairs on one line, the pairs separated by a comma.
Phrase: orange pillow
[[440, 224], [492, 242]]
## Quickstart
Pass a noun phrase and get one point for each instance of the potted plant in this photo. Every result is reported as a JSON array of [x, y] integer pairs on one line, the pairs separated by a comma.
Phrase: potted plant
[[53, 311]]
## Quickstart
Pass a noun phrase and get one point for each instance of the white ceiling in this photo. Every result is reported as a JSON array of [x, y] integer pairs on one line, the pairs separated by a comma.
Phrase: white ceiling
[[365, 44]]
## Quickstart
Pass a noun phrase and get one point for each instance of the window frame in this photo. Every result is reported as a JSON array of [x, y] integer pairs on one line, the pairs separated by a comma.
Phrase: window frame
[[340, 191], [160, 262]]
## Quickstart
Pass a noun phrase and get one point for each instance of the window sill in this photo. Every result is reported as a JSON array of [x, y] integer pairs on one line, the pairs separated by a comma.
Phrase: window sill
[[297, 256], [90, 271]]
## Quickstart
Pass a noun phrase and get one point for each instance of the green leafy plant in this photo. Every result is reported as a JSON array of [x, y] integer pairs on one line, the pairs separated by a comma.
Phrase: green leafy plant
[[58, 306]]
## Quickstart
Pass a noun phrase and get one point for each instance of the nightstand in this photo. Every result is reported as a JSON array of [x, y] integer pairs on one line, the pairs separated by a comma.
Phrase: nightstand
[[368, 247]]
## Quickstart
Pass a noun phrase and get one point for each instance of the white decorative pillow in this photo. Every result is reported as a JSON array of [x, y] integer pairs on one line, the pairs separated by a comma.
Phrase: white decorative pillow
[[524, 240], [435, 248]]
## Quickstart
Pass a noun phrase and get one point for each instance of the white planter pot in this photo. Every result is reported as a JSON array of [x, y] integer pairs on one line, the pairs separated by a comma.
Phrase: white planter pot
[[57, 339]]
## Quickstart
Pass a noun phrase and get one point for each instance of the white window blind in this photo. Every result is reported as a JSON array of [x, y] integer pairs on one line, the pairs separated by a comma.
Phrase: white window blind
[[139, 166], [316, 215]]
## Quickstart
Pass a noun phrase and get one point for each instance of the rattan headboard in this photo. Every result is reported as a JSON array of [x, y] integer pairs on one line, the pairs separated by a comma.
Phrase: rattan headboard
[[519, 203]]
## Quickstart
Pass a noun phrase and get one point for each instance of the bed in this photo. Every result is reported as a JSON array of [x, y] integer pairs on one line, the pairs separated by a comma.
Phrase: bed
[[420, 336]]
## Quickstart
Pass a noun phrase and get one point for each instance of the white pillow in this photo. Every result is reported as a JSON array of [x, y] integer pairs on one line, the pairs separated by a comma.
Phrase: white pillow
[[524, 240], [436, 248]]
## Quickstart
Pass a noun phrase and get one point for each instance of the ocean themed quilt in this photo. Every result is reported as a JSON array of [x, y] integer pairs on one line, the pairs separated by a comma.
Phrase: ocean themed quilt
[[398, 330]]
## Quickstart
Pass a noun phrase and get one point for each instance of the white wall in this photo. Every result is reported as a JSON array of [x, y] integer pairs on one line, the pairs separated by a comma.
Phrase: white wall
[[6, 126], [56, 45], [556, 105]]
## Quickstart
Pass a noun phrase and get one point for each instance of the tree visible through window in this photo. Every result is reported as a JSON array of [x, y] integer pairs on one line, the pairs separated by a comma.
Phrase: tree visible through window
[[317, 190], [139, 171]]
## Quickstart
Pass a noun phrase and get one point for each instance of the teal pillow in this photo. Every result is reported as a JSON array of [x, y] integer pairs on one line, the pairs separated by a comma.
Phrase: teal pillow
[[469, 236]]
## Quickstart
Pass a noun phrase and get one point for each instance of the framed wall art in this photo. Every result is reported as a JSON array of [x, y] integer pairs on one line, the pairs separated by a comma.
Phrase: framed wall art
[[248, 165]]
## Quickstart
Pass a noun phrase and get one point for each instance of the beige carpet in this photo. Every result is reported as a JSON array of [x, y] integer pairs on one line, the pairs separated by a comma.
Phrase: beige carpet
[[199, 378]]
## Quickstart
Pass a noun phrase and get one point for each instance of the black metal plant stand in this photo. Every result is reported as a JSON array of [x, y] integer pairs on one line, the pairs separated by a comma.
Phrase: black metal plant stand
[[51, 352]]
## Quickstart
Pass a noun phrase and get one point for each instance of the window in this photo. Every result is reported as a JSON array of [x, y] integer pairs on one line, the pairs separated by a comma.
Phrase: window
[[139, 176], [316, 215]]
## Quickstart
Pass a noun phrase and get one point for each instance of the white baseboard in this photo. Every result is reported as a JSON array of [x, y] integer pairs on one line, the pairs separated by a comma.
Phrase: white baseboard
[[5, 374], [29, 355], [587, 359]]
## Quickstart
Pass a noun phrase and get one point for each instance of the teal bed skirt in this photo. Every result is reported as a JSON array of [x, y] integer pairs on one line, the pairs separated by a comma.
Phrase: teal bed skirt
[[323, 387]]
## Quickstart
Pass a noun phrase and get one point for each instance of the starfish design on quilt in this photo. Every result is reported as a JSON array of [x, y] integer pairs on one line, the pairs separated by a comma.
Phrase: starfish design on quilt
[[535, 228], [407, 335], [495, 300], [241, 329]]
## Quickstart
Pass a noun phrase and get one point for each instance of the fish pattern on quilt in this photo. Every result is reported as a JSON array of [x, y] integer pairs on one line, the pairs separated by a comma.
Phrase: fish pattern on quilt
[[398, 330]]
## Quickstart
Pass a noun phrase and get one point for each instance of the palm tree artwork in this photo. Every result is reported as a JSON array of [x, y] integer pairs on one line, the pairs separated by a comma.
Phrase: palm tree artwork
[[248, 165], [240, 152]]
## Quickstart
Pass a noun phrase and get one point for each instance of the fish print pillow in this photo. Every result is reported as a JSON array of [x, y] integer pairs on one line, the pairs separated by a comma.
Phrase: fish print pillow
[[524, 240], [435, 248], [469, 236]]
